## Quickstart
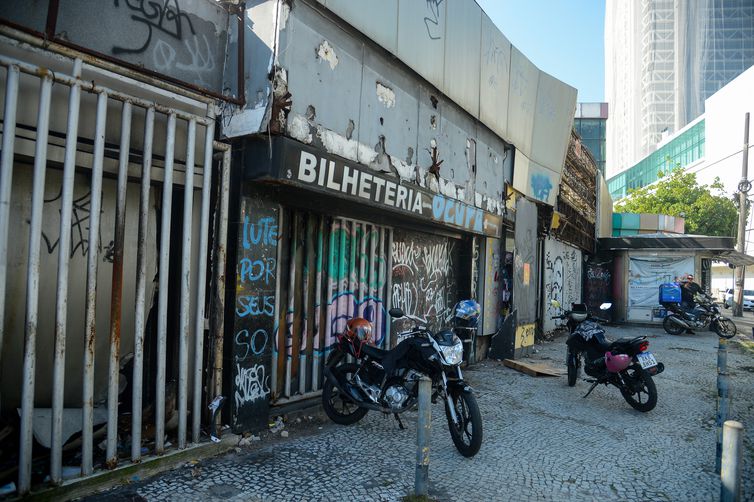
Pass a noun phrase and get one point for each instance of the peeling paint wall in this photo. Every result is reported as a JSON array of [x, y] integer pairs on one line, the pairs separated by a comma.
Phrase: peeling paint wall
[[350, 99]]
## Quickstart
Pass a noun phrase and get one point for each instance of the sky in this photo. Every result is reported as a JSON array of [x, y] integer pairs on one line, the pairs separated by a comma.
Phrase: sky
[[564, 38]]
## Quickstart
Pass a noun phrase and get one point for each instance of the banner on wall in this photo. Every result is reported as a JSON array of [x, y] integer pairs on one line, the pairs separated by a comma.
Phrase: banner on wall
[[645, 274]]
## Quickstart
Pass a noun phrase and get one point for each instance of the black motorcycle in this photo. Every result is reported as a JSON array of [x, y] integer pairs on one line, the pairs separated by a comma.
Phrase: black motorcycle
[[387, 380], [706, 314], [624, 363]]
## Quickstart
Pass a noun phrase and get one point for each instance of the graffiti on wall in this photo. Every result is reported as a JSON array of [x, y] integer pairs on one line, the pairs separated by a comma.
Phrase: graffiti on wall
[[182, 39], [525, 336], [423, 274], [256, 273], [432, 19], [357, 272], [562, 279], [597, 287]]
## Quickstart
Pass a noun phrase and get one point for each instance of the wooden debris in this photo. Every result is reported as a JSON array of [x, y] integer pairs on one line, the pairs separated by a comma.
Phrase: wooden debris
[[534, 369]]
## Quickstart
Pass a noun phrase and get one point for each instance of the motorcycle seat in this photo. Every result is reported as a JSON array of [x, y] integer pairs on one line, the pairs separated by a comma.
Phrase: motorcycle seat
[[374, 352], [623, 343]]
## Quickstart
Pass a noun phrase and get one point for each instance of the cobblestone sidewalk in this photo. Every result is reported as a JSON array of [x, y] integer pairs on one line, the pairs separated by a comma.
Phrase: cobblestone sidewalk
[[542, 441]]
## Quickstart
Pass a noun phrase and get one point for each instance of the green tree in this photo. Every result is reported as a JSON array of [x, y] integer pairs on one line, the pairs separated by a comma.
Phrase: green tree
[[706, 208]]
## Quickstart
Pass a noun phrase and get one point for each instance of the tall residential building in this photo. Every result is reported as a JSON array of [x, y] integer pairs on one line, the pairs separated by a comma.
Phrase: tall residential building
[[663, 58], [590, 124]]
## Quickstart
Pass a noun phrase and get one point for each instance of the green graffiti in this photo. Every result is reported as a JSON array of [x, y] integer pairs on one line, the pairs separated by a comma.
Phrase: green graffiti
[[349, 252]]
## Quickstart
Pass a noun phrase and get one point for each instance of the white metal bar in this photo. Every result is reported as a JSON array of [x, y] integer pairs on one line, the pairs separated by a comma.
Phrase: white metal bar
[[305, 274], [196, 414], [6, 178], [91, 87], [276, 352], [184, 332], [162, 308], [35, 225], [91, 276], [317, 341], [218, 312], [289, 313], [61, 310], [141, 288]]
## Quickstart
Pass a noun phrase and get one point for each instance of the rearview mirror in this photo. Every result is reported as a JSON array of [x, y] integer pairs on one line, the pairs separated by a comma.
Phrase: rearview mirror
[[395, 312], [605, 306], [555, 303]]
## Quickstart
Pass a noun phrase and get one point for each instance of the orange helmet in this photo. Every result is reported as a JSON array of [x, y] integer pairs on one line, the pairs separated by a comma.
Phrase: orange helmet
[[360, 328]]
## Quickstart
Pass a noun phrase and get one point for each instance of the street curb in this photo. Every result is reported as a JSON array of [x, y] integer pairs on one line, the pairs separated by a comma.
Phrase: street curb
[[150, 466]]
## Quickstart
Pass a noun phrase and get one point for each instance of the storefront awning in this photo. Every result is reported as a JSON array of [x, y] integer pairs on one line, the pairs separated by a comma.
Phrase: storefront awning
[[721, 248], [284, 161]]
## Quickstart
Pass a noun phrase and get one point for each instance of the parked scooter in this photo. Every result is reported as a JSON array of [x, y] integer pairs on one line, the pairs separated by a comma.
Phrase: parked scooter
[[706, 315], [386, 380], [624, 363]]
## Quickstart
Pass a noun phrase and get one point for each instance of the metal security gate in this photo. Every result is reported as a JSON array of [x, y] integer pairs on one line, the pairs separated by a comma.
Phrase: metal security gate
[[129, 184], [333, 269]]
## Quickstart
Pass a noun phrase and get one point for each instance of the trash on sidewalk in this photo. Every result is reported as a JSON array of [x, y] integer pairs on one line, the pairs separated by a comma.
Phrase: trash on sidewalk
[[533, 369]]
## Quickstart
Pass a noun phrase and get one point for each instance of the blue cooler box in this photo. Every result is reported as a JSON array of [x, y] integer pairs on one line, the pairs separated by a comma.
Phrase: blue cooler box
[[670, 292]]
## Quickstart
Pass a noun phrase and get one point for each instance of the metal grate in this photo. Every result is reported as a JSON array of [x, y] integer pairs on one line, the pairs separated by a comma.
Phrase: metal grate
[[184, 178]]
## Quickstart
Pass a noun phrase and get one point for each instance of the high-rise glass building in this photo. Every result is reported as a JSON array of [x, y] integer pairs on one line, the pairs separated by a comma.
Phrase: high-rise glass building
[[590, 123], [663, 58]]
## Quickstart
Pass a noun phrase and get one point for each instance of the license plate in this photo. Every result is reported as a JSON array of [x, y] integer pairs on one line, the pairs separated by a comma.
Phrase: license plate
[[646, 359]]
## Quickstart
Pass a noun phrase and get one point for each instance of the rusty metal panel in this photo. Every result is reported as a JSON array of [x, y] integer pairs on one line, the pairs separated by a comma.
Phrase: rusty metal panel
[[377, 20], [522, 100], [421, 37], [445, 125], [462, 54], [491, 159], [494, 78], [324, 71], [389, 109]]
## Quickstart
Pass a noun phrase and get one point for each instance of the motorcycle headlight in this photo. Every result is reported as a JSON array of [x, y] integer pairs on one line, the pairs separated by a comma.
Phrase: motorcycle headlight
[[453, 354]]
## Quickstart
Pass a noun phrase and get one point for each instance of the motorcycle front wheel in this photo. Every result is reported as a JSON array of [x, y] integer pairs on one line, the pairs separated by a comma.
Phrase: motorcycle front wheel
[[467, 433], [672, 328], [638, 389], [724, 327], [339, 408]]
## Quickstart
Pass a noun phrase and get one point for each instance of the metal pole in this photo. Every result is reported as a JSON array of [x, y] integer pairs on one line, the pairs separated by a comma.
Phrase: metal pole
[[743, 188], [162, 308], [6, 178], [116, 300], [218, 313], [61, 305], [723, 397], [732, 464], [141, 288], [424, 429], [201, 285], [188, 218], [35, 225]]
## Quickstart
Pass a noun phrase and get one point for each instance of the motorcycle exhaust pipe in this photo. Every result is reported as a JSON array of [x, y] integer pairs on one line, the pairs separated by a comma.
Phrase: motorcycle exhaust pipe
[[679, 322], [360, 402]]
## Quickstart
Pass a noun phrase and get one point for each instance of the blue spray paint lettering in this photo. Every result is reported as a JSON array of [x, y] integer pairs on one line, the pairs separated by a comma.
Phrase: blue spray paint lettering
[[255, 305], [254, 270], [264, 231]]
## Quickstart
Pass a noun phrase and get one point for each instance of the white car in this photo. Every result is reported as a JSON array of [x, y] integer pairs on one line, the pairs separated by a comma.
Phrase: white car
[[748, 299]]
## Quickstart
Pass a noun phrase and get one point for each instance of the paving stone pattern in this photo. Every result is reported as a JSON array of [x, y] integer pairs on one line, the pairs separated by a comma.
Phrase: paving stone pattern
[[542, 441]]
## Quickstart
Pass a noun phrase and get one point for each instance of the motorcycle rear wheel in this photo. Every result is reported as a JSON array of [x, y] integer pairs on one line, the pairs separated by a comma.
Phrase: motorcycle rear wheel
[[573, 368], [724, 327], [339, 408], [466, 435], [672, 328], [637, 382]]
